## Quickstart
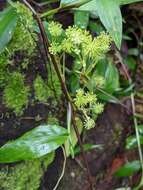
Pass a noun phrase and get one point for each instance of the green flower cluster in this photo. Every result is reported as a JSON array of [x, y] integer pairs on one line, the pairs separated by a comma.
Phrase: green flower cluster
[[55, 29], [87, 103], [16, 93], [78, 43]]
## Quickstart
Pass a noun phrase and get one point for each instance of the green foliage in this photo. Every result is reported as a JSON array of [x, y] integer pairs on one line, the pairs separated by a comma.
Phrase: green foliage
[[3, 77], [53, 84], [111, 18], [50, 88], [129, 169], [8, 20], [131, 141], [25, 175], [33, 144], [86, 51], [41, 89], [81, 19], [16, 93]]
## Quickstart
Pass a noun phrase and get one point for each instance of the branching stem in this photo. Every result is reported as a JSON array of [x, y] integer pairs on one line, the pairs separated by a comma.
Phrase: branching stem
[[63, 85]]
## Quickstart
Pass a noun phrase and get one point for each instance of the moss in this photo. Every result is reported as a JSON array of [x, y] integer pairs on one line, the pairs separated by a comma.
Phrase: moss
[[25, 175], [16, 93], [4, 61], [48, 89], [23, 38], [54, 86], [52, 120], [41, 90]]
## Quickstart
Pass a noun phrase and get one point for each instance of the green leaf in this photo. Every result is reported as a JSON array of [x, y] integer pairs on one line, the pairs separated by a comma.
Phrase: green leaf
[[90, 7], [64, 2], [131, 62], [131, 142], [111, 78], [33, 144], [129, 169], [87, 147], [96, 27], [81, 19], [110, 15], [140, 128], [72, 139], [73, 2], [8, 20], [124, 2], [108, 71]]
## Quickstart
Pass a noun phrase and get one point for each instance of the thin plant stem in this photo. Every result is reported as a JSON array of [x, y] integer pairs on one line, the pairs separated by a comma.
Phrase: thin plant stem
[[63, 85], [113, 98], [64, 7], [63, 169]]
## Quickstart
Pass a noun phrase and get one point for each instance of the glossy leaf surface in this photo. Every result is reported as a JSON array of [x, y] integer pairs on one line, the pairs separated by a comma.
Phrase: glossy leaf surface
[[8, 20], [33, 144], [110, 15], [128, 169]]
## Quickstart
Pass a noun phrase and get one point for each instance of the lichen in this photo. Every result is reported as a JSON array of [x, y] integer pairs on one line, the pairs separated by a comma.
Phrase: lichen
[[25, 175]]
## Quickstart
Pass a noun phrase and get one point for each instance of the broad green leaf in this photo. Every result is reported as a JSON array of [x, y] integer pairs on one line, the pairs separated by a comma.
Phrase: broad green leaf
[[81, 19], [111, 78], [64, 2], [8, 20], [110, 15], [96, 27], [129, 169], [108, 71], [131, 142], [87, 147], [90, 7], [33, 144], [140, 128], [71, 2], [124, 2], [72, 139], [131, 62]]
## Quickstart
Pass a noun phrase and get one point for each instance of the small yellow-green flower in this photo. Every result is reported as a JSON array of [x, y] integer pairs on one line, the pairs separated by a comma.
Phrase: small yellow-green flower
[[99, 80], [55, 29], [98, 108], [89, 123], [55, 48]]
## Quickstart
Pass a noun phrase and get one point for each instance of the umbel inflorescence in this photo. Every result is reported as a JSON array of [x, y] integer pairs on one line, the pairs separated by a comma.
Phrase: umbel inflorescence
[[86, 51]]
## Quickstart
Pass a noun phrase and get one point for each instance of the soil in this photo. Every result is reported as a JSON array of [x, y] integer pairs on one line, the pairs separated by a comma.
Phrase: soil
[[110, 131]]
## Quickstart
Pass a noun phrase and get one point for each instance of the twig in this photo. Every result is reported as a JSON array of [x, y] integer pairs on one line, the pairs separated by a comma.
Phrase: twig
[[63, 85], [64, 7], [63, 169]]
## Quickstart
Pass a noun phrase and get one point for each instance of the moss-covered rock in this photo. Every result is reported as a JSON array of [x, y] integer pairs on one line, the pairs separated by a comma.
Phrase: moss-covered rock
[[24, 175]]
